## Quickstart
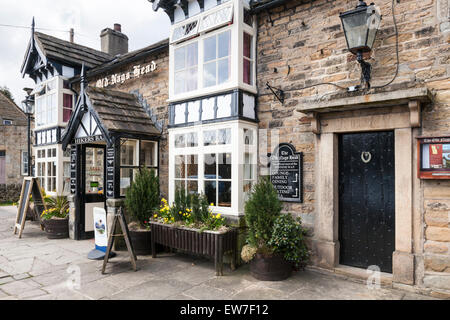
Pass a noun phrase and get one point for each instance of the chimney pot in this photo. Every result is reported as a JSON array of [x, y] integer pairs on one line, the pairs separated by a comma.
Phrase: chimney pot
[[118, 27]]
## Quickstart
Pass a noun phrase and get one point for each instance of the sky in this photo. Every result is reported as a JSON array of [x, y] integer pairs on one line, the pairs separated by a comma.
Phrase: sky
[[139, 22]]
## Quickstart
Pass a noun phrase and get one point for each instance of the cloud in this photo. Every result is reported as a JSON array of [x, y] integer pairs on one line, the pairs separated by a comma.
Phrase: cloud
[[139, 22]]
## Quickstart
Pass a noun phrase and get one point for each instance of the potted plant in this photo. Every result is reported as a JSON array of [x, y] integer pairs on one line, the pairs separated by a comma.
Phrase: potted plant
[[55, 219], [191, 226], [141, 201], [275, 241]]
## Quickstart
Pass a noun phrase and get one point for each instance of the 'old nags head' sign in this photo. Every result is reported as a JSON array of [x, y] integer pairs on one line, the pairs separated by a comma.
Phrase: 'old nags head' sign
[[286, 172]]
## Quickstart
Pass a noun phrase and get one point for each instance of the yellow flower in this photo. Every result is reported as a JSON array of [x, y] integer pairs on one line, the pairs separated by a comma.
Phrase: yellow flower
[[212, 204], [155, 216], [218, 216]]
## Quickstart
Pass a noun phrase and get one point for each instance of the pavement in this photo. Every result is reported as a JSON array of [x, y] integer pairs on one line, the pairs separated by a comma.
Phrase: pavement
[[36, 268]]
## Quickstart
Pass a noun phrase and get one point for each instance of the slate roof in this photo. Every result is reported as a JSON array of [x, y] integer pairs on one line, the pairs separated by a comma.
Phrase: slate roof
[[73, 53], [9, 110], [121, 112], [129, 57]]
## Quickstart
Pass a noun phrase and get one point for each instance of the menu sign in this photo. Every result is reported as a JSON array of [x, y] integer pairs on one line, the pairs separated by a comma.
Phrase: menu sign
[[286, 173], [110, 161], [73, 169]]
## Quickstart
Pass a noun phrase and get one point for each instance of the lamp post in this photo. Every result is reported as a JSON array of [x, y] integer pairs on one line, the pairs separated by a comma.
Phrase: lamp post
[[360, 28], [28, 107]]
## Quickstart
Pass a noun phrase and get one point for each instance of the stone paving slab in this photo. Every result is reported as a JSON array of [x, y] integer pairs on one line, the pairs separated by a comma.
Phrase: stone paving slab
[[36, 268]]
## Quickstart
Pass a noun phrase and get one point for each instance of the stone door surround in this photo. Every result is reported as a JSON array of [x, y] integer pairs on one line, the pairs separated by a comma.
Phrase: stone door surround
[[398, 111]]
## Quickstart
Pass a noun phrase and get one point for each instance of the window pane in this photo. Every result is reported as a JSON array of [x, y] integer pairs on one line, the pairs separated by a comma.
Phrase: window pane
[[128, 153], [248, 72], [67, 103], [180, 167], [224, 166], [180, 82], [210, 49], [224, 71], [180, 141], [180, 185], [192, 139], [209, 74], [248, 167], [192, 54], [224, 44], [180, 58], [224, 136], [192, 166], [147, 156], [209, 138], [225, 194], [210, 191], [192, 79], [247, 45], [210, 166], [126, 179], [192, 187]]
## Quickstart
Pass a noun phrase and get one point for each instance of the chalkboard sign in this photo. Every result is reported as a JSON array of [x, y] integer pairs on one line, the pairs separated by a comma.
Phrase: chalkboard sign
[[30, 187], [286, 173]]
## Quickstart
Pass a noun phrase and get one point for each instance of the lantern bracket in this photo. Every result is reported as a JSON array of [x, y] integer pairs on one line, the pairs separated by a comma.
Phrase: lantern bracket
[[278, 93], [366, 69]]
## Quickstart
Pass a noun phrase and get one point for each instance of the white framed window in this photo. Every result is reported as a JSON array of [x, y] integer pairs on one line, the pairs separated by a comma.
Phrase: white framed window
[[7, 122], [24, 163], [218, 160], [216, 59], [186, 68], [46, 168], [135, 154]]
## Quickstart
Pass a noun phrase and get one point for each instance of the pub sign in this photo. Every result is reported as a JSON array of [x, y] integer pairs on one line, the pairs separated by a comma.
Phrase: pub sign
[[286, 173]]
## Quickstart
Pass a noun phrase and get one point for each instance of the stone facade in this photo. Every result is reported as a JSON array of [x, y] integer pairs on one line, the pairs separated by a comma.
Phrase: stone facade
[[303, 44]]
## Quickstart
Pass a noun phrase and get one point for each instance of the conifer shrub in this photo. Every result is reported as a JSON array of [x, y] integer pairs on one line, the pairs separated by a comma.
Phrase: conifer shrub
[[142, 198]]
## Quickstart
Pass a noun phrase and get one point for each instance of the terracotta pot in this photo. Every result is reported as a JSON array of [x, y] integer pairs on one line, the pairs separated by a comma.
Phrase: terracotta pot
[[270, 268], [57, 228]]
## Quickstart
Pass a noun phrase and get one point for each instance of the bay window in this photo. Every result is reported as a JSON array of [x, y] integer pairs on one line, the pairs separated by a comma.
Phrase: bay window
[[46, 164], [214, 160]]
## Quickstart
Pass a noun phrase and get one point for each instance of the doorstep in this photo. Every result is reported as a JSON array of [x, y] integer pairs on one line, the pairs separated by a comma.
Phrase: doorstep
[[354, 274], [361, 274]]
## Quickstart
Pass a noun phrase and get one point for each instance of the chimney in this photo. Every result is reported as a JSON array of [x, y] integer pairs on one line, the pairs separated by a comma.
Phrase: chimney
[[114, 41], [72, 35]]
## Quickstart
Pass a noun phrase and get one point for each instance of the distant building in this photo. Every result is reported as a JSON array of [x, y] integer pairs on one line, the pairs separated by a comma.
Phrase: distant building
[[13, 149]]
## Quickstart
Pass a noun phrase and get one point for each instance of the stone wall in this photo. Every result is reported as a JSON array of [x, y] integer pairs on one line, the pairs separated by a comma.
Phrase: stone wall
[[13, 139], [154, 87], [303, 44]]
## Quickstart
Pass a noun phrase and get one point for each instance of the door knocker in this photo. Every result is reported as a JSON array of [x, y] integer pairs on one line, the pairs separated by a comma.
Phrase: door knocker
[[366, 157]]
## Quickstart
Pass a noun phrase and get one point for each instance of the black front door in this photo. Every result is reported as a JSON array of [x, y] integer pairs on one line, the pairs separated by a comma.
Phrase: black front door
[[92, 187], [367, 199]]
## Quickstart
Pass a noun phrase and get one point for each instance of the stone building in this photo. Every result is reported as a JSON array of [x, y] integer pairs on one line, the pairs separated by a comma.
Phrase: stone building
[[239, 82], [302, 46], [13, 149]]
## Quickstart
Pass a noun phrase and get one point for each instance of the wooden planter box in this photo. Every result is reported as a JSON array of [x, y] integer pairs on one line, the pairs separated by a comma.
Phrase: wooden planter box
[[208, 243]]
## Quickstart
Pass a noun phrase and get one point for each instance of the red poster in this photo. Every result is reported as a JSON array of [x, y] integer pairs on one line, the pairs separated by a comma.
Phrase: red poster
[[436, 156]]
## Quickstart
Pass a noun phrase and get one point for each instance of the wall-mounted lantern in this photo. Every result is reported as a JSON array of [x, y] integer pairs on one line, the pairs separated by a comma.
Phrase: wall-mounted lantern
[[360, 28]]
